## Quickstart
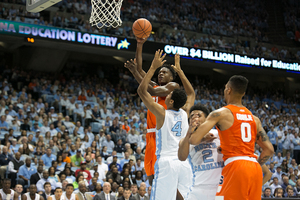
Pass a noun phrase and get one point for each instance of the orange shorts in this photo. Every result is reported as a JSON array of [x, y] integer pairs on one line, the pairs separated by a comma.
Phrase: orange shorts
[[240, 180], [150, 157]]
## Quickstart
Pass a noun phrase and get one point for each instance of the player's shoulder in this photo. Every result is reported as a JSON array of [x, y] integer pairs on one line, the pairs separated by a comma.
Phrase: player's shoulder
[[220, 112]]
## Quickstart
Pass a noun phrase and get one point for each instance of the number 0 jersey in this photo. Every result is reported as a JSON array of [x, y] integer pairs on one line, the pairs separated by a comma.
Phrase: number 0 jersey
[[239, 139], [206, 162], [174, 128]]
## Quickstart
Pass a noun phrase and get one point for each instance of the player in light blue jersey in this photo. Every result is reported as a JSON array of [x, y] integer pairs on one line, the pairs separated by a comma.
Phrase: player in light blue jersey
[[171, 125], [206, 162]]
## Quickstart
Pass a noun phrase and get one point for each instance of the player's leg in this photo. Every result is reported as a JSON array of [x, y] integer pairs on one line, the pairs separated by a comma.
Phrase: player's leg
[[256, 182], [237, 177], [179, 196], [150, 157], [165, 181], [185, 178]]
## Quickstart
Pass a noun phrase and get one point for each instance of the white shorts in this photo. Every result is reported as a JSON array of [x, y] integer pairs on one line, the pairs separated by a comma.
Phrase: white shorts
[[207, 192], [170, 175]]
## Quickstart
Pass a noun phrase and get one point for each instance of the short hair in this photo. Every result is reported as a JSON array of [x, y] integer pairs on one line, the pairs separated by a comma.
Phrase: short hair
[[275, 178], [58, 188], [238, 83], [127, 189], [201, 107], [81, 183], [47, 183], [267, 189], [179, 97], [168, 66]]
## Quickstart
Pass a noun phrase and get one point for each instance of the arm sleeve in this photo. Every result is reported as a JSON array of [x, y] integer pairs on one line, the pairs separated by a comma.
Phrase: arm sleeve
[[11, 167]]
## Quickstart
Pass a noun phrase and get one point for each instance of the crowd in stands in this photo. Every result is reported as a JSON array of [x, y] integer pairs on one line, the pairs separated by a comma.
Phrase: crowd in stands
[[86, 129], [292, 19], [214, 18]]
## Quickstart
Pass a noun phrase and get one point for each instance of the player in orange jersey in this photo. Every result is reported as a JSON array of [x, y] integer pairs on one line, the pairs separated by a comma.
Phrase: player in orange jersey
[[242, 176], [159, 91]]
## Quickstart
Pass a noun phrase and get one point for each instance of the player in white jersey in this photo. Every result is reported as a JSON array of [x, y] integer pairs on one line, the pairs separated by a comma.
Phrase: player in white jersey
[[32, 195], [68, 195], [206, 162], [57, 194], [6, 193], [172, 126]]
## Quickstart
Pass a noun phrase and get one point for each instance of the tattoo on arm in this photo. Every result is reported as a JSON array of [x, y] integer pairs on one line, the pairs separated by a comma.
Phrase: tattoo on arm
[[263, 160], [263, 135], [215, 114]]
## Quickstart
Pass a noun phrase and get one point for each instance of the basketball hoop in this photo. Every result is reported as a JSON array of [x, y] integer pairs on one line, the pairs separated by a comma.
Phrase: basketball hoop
[[106, 13]]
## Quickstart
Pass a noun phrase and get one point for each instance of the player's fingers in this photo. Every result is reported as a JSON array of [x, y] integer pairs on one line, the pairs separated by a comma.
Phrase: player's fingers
[[163, 56], [160, 53], [157, 53], [163, 62]]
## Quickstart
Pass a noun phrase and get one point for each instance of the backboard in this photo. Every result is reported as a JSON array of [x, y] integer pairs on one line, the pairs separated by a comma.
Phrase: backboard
[[39, 5]]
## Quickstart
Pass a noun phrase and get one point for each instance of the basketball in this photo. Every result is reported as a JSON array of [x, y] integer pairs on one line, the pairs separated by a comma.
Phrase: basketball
[[142, 28]]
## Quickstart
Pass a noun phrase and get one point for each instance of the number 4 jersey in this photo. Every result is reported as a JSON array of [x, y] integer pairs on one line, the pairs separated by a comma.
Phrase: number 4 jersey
[[206, 162], [174, 128]]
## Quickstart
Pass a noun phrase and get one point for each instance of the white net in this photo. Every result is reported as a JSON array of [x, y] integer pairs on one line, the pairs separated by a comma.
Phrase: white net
[[106, 13]]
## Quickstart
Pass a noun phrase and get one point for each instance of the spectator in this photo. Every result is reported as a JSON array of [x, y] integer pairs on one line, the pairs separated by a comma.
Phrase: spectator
[[57, 194], [126, 195], [115, 176], [133, 138], [289, 191], [278, 193], [45, 179], [109, 144], [106, 193], [48, 190], [13, 168], [77, 159], [25, 172], [141, 194], [82, 195], [5, 158], [3, 123], [6, 191], [37, 176], [274, 185], [125, 126], [86, 173], [48, 157], [125, 159], [19, 190], [285, 183], [92, 186]]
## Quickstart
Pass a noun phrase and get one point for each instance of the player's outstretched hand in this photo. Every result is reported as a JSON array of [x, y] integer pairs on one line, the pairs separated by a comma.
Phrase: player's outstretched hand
[[158, 60], [141, 40], [131, 65], [177, 67]]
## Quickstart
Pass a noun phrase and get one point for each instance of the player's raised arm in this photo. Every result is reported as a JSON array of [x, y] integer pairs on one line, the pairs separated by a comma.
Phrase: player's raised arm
[[138, 55], [184, 145], [155, 108], [199, 132], [186, 84], [263, 141]]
